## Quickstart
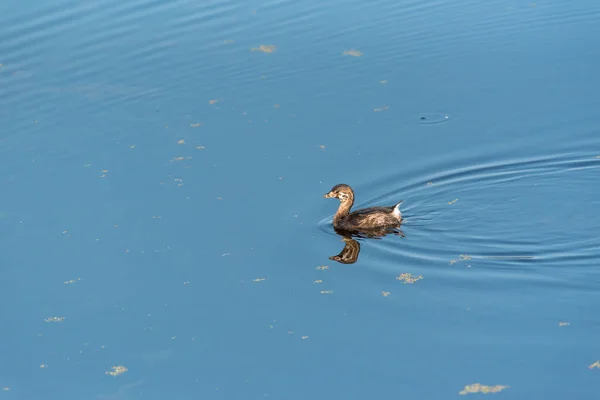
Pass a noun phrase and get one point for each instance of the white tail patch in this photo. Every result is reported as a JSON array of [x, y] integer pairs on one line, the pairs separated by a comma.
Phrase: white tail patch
[[396, 211]]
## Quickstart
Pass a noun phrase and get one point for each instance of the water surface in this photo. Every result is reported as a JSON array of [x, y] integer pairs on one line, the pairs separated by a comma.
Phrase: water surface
[[164, 165]]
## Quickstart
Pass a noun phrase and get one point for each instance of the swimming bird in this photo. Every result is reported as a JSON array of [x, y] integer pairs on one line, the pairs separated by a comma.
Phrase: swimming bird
[[365, 218]]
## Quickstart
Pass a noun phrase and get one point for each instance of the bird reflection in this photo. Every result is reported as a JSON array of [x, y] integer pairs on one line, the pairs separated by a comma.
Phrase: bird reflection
[[351, 250], [349, 253]]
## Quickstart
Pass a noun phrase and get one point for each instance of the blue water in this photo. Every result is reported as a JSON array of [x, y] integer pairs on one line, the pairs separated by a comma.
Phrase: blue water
[[162, 200]]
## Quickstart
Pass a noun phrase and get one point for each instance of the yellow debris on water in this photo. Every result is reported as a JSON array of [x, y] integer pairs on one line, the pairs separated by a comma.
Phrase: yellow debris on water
[[352, 52], [181, 158], [265, 48], [116, 370], [181, 141], [479, 388], [323, 267], [385, 294], [258, 279], [54, 319], [461, 257], [453, 201], [594, 365], [384, 108], [409, 278]]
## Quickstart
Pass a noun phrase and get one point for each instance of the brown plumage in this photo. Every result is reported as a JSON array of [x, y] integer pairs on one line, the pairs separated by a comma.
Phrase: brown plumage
[[363, 219]]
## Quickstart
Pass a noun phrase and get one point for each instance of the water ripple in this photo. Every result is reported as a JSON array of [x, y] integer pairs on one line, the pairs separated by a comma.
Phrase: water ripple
[[488, 212]]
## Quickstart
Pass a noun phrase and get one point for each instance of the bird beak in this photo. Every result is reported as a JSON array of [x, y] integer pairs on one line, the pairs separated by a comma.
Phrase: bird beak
[[329, 195]]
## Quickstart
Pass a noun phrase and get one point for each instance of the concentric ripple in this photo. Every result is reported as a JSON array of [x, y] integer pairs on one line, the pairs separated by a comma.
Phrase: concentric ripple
[[505, 213]]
